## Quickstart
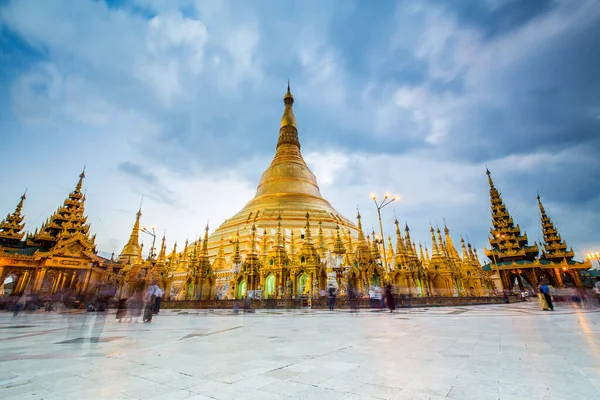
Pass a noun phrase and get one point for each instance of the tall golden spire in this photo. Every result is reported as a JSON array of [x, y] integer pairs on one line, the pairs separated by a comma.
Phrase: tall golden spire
[[220, 262], [390, 251], [450, 249], [131, 250], [236, 258], [400, 248], [265, 247], [288, 119], [465, 254], [277, 253], [409, 247], [292, 247], [435, 250], [307, 234], [350, 249], [162, 255], [203, 260], [253, 250], [11, 228], [279, 236], [80, 182], [441, 244], [321, 239], [375, 247]]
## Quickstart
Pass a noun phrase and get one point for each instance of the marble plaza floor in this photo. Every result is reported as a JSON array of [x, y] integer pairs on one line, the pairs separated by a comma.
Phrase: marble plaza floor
[[512, 351]]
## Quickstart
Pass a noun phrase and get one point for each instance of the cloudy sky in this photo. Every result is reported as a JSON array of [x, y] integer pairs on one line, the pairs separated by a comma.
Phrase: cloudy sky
[[180, 101]]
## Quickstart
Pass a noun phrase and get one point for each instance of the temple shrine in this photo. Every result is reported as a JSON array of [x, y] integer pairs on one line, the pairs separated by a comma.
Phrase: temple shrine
[[287, 242]]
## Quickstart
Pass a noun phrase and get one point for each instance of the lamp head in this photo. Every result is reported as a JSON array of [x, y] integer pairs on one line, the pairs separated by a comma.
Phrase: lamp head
[[387, 194], [373, 196]]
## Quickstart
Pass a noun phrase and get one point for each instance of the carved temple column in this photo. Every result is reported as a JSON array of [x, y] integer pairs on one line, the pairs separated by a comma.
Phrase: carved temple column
[[576, 277], [39, 279], [558, 274]]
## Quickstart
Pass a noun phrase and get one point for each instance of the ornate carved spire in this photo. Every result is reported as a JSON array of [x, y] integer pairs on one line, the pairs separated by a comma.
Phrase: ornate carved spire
[[67, 222], [441, 244], [411, 250], [465, 254], [162, 255], [507, 242], [253, 249], [421, 255], [265, 246], [292, 247], [375, 247], [277, 253], [236, 258], [555, 248], [220, 262], [321, 239], [338, 247], [400, 248], [203, 260], [450, 249], [11, 228]]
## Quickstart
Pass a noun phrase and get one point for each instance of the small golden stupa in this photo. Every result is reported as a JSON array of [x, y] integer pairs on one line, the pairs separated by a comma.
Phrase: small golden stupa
[[288, 189]]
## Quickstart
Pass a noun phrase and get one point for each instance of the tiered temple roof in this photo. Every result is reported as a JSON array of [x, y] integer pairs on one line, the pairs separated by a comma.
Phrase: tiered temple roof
[[507, 242], [67, 222], [555, 248], [11, 228]]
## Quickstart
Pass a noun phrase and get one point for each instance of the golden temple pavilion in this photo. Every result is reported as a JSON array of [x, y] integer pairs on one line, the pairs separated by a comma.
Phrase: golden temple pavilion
[[287, 242], [517, 262]]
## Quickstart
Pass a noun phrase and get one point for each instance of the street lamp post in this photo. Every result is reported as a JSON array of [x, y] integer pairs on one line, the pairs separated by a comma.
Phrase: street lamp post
[[152, 233], [386, 201], [594, 256]]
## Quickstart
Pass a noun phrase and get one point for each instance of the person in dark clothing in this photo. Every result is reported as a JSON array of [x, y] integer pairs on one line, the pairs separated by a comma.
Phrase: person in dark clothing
[[545, 291], [389, 298], [331, 297]]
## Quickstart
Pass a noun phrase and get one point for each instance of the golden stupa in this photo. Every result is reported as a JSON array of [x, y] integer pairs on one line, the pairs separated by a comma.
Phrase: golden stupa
[[288, 189]]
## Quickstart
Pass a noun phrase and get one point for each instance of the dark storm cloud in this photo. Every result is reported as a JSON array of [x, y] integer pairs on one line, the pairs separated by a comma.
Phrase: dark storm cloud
[[137, 171], [498, 17]]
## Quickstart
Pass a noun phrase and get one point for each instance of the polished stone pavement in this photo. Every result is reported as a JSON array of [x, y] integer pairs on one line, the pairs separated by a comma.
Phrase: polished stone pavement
[[512, 351]]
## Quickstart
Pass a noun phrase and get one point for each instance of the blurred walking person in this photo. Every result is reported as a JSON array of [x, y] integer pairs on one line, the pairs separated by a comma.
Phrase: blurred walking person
[[20, 304], [389, 298], [159, 295], [331, 298], [150, 301], [134, 306], [545, 293]]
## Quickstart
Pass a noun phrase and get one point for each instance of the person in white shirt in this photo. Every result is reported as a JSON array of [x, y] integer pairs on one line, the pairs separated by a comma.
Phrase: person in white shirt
[[159, 295]]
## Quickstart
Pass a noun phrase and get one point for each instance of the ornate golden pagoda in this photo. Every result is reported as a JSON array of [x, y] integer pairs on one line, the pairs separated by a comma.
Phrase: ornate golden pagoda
[[287, 189], [61, 255]]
